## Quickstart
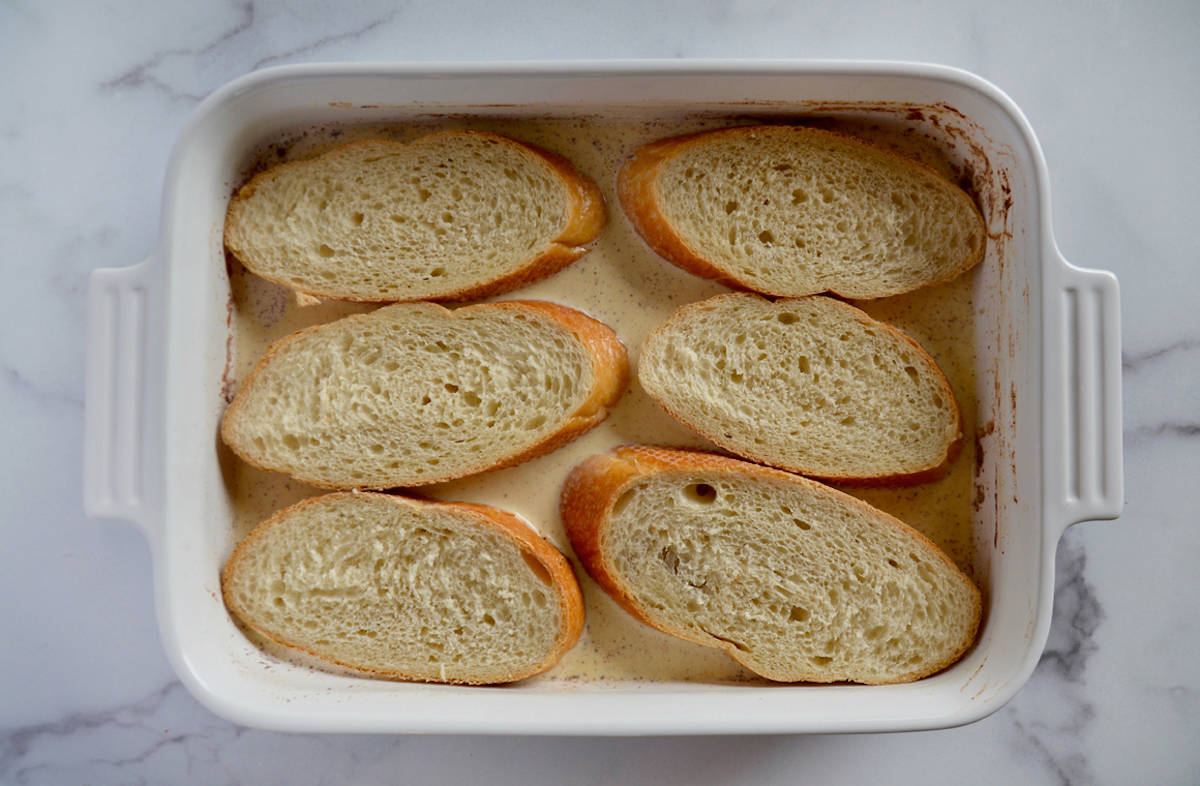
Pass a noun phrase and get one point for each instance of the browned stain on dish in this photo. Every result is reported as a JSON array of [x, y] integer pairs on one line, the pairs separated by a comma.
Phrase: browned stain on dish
[[974, 674], [228, 383]]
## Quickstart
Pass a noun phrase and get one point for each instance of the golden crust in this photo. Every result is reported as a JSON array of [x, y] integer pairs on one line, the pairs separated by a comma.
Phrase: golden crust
[[594, 486], [532, 545], [610, 374], [637, 190], [585, 219], [926, 474]]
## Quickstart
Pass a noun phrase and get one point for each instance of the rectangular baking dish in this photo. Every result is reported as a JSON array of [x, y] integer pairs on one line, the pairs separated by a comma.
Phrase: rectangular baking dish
[[1047, 342]]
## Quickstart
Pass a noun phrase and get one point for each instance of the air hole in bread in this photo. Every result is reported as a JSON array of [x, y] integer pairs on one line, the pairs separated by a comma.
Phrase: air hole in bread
[[357, 218], [325, 250], [622, 501], [537, 567], [730, 206], [798, 614], [912, 373], [700, 493]]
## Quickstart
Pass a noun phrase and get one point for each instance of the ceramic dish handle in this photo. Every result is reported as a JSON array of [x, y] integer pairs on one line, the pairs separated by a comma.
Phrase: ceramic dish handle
[[116, 430], [1088, 360]]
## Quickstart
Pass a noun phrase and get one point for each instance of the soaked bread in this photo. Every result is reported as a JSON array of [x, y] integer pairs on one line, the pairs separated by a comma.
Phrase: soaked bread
[[791, 211], [414, 393], [794, 580], [453, 215], [811, 385], [406, 589]]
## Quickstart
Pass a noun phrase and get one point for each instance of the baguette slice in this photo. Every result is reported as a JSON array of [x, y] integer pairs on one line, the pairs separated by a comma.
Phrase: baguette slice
[[794, 580], [453, 215], [414, 393], [792, 211], [407, 589], [810, 385]]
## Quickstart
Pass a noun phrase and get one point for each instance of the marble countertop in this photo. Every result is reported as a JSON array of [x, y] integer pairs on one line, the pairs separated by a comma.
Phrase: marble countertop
[[94, 96]]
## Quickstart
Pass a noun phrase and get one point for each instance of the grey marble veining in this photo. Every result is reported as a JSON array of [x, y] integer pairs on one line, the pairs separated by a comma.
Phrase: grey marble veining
[[1056, 733], [1157, 377], [94, 97]]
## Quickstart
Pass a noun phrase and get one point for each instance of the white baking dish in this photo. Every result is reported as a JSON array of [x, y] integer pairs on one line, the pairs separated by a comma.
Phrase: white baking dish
[[1048, 364]]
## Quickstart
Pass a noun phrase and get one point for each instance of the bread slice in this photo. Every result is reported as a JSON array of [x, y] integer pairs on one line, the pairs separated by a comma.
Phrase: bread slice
[[794, 580], [791, 211], [415, 393], [811, 385], [406, 589], [453, 215]]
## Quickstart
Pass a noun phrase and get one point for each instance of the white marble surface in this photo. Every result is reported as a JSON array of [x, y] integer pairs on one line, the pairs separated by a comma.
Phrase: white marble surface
[[93, 96]]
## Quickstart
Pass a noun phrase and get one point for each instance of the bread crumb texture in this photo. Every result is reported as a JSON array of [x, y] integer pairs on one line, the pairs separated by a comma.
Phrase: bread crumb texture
[[791, 211], [398, 588], [795, 580], [811, 385], [414, 393], [389, 221]]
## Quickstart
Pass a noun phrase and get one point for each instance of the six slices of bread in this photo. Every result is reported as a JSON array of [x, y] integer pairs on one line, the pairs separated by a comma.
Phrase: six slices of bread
[[753, 555]]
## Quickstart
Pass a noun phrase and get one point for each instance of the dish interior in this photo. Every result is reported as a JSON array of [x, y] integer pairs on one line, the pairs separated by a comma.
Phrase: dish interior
[[981, 328]]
